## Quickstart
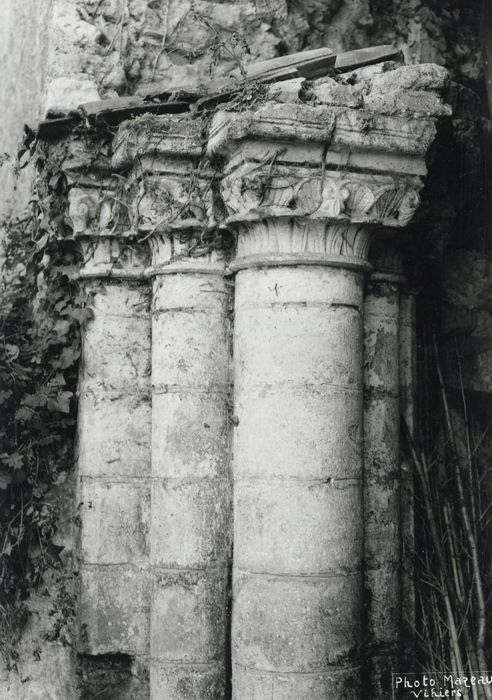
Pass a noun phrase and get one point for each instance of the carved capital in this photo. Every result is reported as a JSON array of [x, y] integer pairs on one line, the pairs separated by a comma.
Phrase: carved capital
[[99, 202], [98, 210], [271, 187], [171, 184], [186, 251], [172, 202], [101, 224], [119, 258], [301, 182], [301, 241], [179, 198]]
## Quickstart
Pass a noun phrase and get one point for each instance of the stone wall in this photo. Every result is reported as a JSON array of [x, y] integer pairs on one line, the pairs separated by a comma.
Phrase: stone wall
[[24, 29], [64, 52], [67, 51]]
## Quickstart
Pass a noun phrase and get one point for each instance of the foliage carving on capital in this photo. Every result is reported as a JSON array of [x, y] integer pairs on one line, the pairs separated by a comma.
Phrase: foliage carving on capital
[[108, 256], [323, 197], [82, 210], [101, 223], [188, 251], [96, 211], [301, 240], [172, 201], [279, 189]]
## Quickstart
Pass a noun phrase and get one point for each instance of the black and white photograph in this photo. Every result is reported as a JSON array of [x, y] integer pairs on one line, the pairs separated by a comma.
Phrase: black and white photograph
[[245, 349]]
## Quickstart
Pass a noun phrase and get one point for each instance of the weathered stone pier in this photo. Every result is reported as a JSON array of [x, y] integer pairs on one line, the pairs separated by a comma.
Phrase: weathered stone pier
[[250, 301]]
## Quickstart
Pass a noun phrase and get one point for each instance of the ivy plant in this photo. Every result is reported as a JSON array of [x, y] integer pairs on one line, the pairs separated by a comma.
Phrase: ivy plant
[[42, 308]]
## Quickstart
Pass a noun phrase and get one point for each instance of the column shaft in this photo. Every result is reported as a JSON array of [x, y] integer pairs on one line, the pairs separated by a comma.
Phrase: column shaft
[[297, 481], [382, 485], [190, 520], [408, 358], [114, 470]]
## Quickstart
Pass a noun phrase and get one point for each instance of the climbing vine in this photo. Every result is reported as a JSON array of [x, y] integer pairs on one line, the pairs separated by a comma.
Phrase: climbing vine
[[42, 307]]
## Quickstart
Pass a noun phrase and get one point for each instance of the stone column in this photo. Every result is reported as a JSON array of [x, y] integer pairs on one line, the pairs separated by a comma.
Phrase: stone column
[[113, 500], [382, 474], [297, 576], [190, 507], [303, 187], [408, 374], [190, 472]]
